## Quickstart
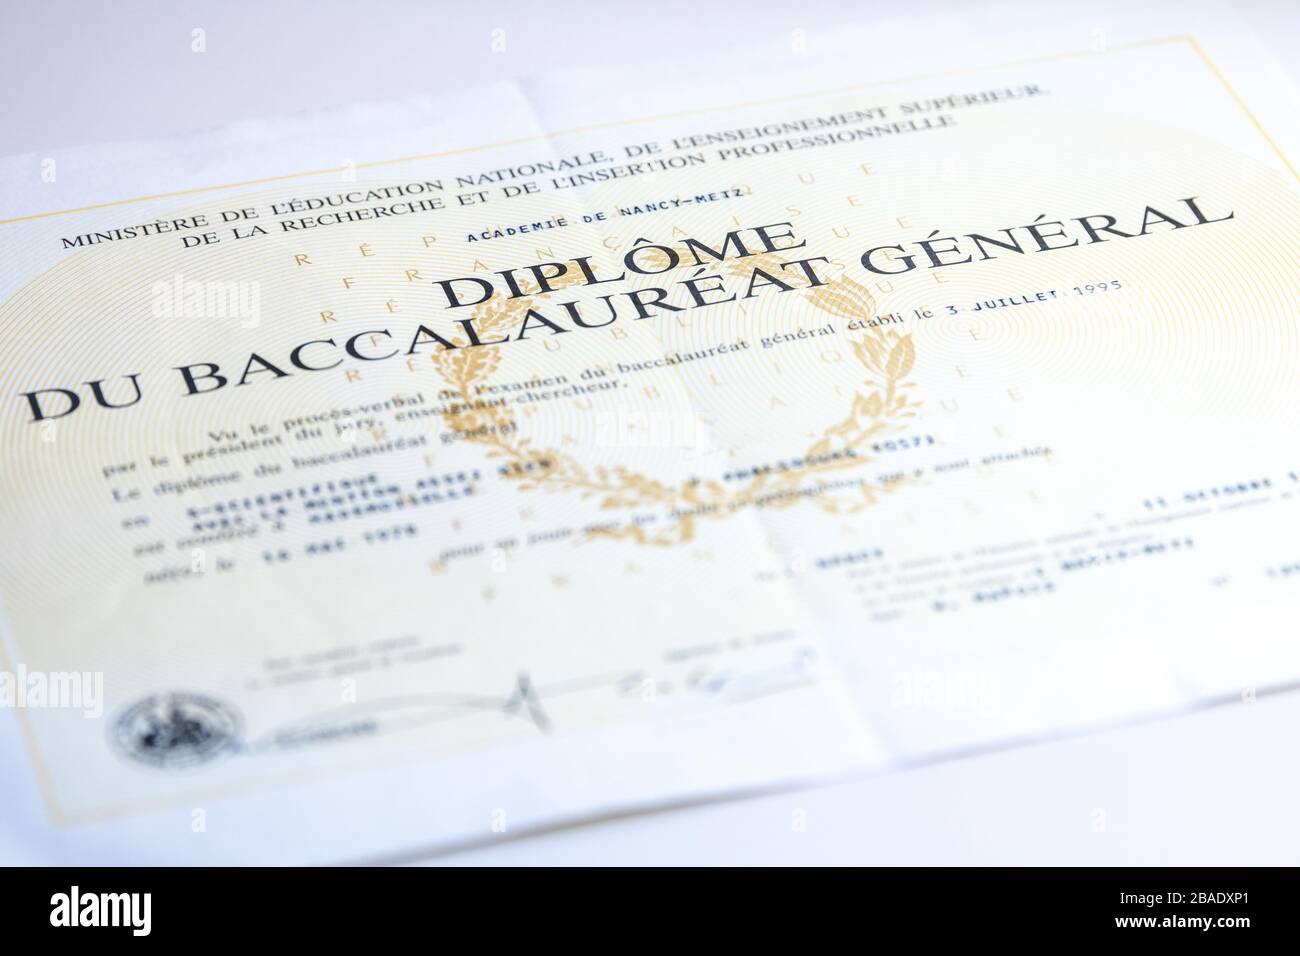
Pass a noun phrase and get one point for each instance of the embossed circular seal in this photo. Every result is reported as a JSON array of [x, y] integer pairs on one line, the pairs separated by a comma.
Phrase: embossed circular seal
[[176, 730]]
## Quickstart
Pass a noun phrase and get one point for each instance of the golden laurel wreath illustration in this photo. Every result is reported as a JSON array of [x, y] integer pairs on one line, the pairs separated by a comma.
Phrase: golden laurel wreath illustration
[[886, 356]]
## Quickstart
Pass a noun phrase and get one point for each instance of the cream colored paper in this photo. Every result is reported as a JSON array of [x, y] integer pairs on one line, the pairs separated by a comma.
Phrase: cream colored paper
[[870, 489]]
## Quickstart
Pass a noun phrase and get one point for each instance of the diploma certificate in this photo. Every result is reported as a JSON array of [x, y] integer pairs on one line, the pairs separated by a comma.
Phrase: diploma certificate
[[722, 437]]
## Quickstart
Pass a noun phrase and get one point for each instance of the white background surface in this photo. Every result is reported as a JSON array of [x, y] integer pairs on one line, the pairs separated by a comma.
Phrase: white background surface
[[1221, 786]]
